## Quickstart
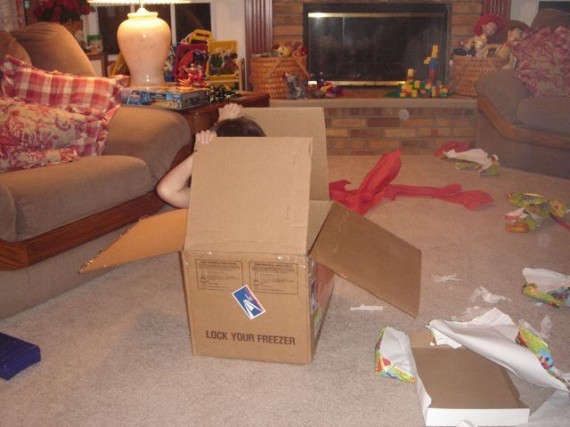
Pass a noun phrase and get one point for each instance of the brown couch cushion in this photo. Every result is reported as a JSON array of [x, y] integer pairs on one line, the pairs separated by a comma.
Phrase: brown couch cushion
[[49, 197], [52, 47], [164, 134], [10, 46], [548, 113], [504, 90]]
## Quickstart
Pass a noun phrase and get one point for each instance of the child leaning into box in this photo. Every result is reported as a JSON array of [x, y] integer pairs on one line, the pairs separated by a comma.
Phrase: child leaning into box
[[173, 188]]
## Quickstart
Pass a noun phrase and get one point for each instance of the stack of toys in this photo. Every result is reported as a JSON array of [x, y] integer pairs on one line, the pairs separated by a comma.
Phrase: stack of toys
[[429, 88]]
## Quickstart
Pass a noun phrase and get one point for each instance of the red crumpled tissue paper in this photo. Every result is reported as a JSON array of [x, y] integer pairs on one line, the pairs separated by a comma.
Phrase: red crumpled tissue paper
[[377, 185]]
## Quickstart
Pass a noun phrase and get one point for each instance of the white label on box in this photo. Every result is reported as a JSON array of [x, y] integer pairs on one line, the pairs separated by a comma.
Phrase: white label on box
[[274, 277], [218, 275]]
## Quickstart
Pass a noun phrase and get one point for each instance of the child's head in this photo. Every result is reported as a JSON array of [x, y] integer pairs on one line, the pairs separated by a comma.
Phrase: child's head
[[241, 126]]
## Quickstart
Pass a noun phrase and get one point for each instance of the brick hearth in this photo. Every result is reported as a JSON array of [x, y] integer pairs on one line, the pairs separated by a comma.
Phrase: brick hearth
[[379, 125]]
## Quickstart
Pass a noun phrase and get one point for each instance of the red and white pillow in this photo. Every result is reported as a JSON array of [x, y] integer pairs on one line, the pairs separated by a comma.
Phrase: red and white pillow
[[543, 61], [33, 135], [50, 117], [56, 89]]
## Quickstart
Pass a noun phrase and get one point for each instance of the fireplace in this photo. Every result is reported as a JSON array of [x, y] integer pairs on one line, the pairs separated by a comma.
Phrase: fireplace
[[374, 44]]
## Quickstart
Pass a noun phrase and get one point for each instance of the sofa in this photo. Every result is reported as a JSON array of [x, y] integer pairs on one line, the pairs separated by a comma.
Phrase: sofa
[[55, 217], [523, 112]]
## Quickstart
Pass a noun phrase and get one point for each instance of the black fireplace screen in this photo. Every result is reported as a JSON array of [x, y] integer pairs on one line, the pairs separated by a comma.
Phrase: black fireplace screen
[[374, 44]]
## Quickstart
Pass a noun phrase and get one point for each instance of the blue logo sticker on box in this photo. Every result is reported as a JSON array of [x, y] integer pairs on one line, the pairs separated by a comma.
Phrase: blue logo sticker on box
[[248, 302]]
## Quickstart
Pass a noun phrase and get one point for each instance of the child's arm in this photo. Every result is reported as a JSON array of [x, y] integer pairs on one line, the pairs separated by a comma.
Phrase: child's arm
[[173, 187]]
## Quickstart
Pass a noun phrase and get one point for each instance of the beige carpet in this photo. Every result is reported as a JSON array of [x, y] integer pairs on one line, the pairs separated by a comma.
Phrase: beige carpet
[[116, 351]]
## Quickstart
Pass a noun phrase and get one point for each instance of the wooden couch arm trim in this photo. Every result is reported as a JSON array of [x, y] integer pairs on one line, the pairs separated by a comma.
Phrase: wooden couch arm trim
[[15, 255], [520, 134], [23, 253]]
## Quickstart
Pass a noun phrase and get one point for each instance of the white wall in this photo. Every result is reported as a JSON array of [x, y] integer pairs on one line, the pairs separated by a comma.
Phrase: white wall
[[525, 10], [228, 21], [8, 15]]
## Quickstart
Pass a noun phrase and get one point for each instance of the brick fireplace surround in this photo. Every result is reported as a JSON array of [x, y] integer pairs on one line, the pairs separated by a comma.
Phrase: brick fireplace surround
[[375, 125]]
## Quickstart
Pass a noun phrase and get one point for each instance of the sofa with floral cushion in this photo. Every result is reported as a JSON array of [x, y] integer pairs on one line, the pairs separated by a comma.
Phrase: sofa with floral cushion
[[524, 112], [75, 166]]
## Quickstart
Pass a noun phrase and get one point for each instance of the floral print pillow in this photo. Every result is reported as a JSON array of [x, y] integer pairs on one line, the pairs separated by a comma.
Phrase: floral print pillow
[[34, 135], [543, 61]]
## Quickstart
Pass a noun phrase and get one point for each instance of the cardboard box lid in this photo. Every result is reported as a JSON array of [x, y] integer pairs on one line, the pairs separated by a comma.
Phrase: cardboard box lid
[[464, 386], [299, 122], [250, 195], [370, 257]]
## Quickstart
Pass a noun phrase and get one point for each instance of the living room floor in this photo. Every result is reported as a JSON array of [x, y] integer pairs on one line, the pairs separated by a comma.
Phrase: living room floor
[[116, 351]]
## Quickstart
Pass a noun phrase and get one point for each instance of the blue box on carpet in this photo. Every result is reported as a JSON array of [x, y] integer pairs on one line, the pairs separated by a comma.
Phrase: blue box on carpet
[[16, 355], [170, 97]]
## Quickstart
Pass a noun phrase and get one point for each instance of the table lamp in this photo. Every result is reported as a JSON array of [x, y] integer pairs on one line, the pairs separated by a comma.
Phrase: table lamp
[[144, 41]]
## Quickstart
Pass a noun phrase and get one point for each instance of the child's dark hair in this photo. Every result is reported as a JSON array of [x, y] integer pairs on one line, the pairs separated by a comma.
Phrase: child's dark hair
[[241, 126]]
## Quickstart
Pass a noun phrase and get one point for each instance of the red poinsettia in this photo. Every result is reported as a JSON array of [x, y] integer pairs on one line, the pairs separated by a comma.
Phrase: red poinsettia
[[62, 10]]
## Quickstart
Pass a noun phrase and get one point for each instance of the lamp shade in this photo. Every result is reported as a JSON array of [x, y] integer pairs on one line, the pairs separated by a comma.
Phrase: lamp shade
[[144, 41]]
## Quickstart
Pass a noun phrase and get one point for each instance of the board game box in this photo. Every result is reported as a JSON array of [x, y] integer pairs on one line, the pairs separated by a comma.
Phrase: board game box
[[169, 97]]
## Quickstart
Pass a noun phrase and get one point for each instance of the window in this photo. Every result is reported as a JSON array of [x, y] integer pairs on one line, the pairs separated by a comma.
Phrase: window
[[188, 17]]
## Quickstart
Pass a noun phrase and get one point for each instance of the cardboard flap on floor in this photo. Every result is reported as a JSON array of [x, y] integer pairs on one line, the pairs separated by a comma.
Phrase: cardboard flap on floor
[[463, 386], [150, 237], [251, 195], [370, 257]]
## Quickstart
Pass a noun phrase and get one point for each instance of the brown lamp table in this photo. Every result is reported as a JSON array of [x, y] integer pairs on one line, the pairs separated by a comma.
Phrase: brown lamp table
[[205, 116]]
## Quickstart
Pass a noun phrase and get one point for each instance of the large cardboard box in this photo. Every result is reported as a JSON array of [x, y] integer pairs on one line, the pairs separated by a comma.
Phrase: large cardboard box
[[260, 240]]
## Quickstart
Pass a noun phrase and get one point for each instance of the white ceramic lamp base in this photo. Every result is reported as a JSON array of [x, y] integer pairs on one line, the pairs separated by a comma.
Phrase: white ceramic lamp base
[[144, 40]]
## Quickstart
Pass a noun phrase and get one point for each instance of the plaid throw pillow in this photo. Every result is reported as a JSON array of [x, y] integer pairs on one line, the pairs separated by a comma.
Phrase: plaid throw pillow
[[61, 90]]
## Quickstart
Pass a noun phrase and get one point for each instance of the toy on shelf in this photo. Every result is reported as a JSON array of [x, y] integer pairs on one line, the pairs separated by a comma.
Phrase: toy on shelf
[[428, 88], [191, 57], [202, 61], [485, 28], [222, 60], [324, 88], [515, 32], [281, 72]]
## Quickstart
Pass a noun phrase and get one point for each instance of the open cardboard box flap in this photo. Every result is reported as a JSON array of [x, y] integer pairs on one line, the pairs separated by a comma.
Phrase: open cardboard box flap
[[250, 195], [371, 257], [463, 386], [153, 236]]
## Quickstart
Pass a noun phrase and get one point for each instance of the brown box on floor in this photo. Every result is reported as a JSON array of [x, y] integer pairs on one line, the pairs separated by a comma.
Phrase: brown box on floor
[[458, 385], [261, 238]]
